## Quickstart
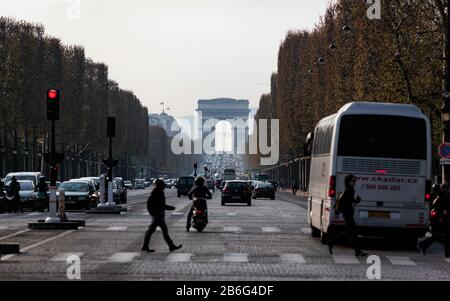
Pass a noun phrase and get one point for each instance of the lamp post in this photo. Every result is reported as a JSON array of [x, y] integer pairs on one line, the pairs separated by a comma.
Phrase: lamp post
[[15, 152], [26, 154], [445, 110]]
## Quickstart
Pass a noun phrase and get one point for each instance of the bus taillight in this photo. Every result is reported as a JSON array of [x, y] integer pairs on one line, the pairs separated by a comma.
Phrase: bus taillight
[[332, 187]]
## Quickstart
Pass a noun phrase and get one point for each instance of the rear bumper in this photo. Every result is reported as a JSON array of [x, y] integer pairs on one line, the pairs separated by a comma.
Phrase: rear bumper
[[387, 232], [235, 199]]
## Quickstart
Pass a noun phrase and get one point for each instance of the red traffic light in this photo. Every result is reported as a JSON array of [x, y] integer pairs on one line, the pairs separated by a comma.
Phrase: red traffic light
[[52, 94]]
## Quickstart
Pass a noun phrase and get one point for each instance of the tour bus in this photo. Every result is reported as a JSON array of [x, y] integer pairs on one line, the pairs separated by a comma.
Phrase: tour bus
[[229, 174], [388, 148]]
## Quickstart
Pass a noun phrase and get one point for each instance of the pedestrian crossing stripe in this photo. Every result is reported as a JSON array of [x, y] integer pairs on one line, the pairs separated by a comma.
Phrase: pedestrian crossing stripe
[[117, 228], [179, 257], [123, 257], [271, 229], [306, 230], [401, 260], [232, 229], [4, 227], [447, 260], [293, 258], [63, 256], [345, 259], [235, 257]]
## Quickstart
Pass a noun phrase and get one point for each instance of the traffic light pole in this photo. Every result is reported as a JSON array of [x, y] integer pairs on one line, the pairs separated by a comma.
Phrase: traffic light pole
[[110, 174], [53, 218]]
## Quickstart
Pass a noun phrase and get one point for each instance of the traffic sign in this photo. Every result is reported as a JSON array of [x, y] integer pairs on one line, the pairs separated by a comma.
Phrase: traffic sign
[[444, 150], [445, 161]]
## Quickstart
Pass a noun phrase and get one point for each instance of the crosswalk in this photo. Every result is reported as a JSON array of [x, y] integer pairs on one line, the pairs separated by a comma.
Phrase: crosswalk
[[230, 257]]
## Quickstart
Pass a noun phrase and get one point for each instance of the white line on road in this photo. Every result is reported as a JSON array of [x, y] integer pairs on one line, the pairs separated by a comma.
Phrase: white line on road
[[4, 227], [231, 214], [447, 260], [293, 258], [232, 229], [34, 214], [400, 260], [235, 257], [179, 257], [117, 228], [177, 213], [64, 256], [345, 259], [306, 230], [14, 234], [123, 257], [39, 244], [271, 229]]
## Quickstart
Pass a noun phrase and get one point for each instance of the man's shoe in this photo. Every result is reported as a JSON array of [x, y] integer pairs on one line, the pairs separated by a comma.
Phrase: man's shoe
[[174, 248], [421, 250], [330, 248], [187, 229]]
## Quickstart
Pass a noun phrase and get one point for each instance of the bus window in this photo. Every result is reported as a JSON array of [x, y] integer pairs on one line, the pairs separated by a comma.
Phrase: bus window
[[383, 136]]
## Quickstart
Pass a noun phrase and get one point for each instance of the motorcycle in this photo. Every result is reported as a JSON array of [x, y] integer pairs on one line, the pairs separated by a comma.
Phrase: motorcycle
[[199, 215]]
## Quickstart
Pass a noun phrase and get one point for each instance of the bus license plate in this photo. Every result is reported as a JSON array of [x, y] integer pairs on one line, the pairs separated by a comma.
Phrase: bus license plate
[[380, 214]]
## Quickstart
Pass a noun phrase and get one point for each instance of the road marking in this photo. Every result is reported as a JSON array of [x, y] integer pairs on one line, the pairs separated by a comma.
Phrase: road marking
[[14, 234], [400, 260], [293, 258], [4, 227], [235, 257], [306, 230], [64, 256], [345, 259], [179, 257], [232, 229], [123, 257], [39, 244], [117, 228], [447, 260], [271, 229], [33, 214], [231, 214], [177, 213]]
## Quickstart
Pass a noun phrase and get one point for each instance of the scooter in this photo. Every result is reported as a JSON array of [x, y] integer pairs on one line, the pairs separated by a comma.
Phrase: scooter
[[199, 215]]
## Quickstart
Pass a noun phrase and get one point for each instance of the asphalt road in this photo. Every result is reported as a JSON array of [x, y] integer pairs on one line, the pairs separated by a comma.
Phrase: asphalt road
[[270, 240]]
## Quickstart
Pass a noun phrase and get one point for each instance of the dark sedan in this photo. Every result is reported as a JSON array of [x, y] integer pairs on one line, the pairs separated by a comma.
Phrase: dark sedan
[[236, 192], [263, 190]]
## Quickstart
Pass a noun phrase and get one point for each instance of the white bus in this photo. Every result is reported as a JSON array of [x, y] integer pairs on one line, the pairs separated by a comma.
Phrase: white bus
[[388, 148]]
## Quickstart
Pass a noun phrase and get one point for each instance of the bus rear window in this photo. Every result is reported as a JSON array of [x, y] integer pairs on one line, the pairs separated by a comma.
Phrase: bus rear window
[[382, 136]]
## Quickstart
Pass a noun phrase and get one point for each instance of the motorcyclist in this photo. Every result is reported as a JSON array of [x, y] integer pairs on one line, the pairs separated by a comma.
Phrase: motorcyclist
[[41, 190], [440, 222], [198, 193], [14, 195]]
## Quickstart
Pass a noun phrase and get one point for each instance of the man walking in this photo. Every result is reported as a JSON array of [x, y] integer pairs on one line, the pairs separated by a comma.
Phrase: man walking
[[156, 205]]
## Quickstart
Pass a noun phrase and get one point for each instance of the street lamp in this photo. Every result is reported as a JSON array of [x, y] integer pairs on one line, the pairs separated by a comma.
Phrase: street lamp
[[347, 29], [332, 47], [15, 152]]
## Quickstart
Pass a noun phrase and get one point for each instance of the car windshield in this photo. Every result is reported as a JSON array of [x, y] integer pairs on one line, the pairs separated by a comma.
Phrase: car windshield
[[74, 186], [22, 178], [26, 186]]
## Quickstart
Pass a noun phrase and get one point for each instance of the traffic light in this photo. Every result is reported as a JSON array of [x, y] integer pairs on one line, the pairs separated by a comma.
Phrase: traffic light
[[53, 101]]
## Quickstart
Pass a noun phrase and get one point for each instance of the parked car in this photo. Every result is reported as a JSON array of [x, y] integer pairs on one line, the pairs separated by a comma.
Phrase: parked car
[[210, 185], [79, 194], [263, 190], [122, 190], [168, 184], [236, 191], [184, 185], [139, 184], [30, 176], [128, 184], [96, 181], [27, 194]]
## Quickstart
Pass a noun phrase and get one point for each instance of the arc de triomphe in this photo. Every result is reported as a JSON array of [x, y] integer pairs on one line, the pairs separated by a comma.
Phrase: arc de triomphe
[[228, 109]]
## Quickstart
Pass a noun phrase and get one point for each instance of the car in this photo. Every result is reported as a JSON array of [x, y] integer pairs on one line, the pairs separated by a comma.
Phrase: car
[[218, 182], [147, 183], [274, 184], [31, 176], [27, 194], [139, 184], [236, 191], [168, 184], [116, 193], [263, 190], [210, 185], [57, 184], [128, 185], [184, 185], [96, 181], [79, 193], [122, 190]]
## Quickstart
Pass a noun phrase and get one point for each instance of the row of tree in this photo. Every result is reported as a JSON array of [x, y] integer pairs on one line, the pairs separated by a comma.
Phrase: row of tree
[[32, 62], [349, 57]]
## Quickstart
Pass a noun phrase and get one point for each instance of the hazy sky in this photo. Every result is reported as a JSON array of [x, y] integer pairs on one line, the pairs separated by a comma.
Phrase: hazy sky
[[177, 51]]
